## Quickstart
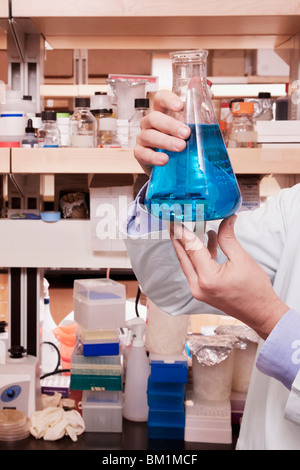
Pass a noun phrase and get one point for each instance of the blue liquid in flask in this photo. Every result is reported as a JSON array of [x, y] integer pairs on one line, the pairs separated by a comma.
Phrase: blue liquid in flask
[[196, 184]]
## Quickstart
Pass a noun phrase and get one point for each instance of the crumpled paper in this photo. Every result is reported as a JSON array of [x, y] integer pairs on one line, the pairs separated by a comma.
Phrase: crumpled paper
[[53, 423]]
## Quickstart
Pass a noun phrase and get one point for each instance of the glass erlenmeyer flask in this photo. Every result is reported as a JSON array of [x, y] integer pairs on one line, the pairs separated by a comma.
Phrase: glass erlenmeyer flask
[[199, 183]]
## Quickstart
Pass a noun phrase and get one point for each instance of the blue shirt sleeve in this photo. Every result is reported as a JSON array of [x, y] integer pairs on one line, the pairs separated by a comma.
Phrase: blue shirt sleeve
[[280, 355]]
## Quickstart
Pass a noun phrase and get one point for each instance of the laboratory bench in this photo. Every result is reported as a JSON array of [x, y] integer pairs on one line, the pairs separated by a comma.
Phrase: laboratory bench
[[134, 437]]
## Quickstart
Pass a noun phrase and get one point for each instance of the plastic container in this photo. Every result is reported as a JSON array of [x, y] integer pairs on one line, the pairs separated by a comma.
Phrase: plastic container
[[13, 118], [100, 101], [100, 342], [99, 303], [125, 91], [95, 365], [168, 368], [14, 425], [83, 125], [141, 108], [96, 382], [66, 335], [165, 333], [163, 424], [165, 395], [48, 133], [102, 411], [241, 132], [137, 374]]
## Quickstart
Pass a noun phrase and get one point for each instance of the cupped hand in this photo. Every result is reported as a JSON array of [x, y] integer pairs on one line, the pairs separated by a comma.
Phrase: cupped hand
[[161, 130], [238, 287]]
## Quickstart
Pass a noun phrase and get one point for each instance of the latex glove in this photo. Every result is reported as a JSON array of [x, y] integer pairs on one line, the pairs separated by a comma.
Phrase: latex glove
[[239, 287], [54, 423], [160, 130]]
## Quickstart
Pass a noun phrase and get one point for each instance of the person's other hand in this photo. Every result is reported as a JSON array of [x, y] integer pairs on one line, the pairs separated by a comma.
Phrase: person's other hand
[[239, 287], [160, 130]]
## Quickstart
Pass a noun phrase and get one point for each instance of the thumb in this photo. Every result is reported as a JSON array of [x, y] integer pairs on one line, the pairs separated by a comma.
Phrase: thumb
[[227, 239]]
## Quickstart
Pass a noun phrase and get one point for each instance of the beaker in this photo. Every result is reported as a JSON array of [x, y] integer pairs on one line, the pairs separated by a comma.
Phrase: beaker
[[198, 183]]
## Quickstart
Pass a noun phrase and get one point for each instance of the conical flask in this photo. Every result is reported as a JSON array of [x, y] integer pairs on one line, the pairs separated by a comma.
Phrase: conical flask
[[197, 184]]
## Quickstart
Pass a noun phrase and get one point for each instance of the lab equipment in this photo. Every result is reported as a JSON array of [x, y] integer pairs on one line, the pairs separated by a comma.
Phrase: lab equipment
[[102, 411], [141, 108], [165, 334], [63, 123], [29, 140], [241, 132], [83, 125], [100, 342], [48, 133], [14, 425], [137, 373], [125, 91], [99, 303], [107, 136], [198, 183]]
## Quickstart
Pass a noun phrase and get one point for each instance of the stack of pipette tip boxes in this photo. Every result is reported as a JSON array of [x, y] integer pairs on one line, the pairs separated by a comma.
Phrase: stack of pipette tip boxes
[[166, 396], [96, 362]]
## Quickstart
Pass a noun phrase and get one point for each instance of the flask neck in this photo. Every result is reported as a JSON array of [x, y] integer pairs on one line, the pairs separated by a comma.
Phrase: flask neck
[[190, 84]]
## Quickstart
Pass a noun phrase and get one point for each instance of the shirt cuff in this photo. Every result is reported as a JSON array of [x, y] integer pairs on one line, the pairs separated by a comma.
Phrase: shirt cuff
[[280, 355]]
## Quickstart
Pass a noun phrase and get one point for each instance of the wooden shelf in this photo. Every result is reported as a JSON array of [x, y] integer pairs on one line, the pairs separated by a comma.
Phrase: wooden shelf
[[129, 24], [63, 244], [73, 160], [4, 160]]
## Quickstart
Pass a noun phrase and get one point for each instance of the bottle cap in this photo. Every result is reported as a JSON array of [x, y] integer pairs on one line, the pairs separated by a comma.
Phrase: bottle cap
[[264, 94], [141, 103], [29, 129], [82, 102], [246, 107], [48, 116], [27, 97]]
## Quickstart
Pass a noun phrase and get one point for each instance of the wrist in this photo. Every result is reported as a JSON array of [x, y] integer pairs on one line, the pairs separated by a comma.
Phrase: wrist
[[273, 313]]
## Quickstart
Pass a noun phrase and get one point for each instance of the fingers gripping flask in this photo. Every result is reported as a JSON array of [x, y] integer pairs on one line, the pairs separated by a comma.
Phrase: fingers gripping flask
[[197, 184]]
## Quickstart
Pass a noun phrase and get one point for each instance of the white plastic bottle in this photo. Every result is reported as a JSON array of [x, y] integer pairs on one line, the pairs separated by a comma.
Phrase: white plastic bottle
[[135, 407]]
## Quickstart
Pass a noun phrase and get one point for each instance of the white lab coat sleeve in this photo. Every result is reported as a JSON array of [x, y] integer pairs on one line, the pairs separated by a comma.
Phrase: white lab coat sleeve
[[158, 270], [292, 409]]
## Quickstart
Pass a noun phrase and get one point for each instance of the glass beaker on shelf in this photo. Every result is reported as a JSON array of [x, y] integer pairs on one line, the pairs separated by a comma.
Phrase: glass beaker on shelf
[[198, 183]]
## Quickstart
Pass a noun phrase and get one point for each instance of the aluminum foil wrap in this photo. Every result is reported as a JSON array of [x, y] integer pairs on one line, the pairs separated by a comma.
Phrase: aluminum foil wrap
[[243, 333], [211, 350]]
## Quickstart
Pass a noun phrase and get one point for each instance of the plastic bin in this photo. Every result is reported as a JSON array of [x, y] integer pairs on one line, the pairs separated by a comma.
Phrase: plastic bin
[[99, 304], [168, 368], [102, 411], [165, 395]]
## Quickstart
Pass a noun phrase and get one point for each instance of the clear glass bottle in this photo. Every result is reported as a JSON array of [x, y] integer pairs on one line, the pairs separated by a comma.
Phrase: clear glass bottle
[[29, 140], [83, 125], [198, 183], [107, 137], [241, 132], [141, 108], [48, 133]]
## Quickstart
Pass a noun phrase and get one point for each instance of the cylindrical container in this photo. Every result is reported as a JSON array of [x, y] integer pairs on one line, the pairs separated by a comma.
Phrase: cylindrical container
[[165, 334], [125, 91], [141, 108], [212, 366], [63, 124], [244, 355], [83, 125], [14, 425], [241, 132], [48, 133], [107, 136]]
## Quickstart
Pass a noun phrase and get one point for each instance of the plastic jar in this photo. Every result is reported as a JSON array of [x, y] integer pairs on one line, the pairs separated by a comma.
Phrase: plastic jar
[[12, 117], [241, 132]]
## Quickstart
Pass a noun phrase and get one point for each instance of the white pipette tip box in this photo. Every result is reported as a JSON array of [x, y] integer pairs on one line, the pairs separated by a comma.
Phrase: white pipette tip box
[[207, 422]]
